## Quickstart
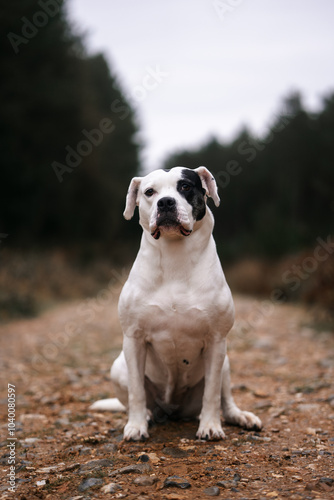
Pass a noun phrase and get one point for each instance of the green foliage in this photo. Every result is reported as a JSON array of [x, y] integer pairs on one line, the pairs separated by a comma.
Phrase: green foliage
[[277, 191], [68, 135]]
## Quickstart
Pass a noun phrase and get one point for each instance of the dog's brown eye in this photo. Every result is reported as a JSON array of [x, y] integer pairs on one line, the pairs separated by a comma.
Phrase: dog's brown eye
[[149, 192], [185, 187]]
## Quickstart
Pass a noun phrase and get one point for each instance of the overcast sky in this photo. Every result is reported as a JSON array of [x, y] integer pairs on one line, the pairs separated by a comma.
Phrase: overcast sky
[[197, 68]]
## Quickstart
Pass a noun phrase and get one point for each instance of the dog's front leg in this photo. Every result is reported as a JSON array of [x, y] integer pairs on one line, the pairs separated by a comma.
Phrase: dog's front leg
[[210, 421], [135, 355]]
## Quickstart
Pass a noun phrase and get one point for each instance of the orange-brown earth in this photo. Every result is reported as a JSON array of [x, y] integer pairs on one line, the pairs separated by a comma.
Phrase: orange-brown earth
[[282, 369]]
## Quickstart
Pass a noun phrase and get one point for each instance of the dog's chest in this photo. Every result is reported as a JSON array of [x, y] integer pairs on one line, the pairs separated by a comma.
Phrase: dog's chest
[[177, 333], [178, 308], [188, 308]]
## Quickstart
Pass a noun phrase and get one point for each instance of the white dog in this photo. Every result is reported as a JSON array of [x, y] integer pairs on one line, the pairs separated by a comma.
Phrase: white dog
[[176, 310]]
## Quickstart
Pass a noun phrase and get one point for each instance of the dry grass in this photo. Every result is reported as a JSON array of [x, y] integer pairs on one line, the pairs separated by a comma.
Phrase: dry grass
[[32, 282], [299, 278]]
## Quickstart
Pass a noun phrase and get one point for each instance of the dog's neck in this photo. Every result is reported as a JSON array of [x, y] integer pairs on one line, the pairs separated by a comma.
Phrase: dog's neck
[[171, 256]]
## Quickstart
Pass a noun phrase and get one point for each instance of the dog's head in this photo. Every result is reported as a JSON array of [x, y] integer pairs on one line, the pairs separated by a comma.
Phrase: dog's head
[[170, 202]]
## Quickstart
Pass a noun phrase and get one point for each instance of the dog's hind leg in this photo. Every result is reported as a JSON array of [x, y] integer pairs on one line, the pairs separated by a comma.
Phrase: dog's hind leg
[[233, 414], [119, 377]]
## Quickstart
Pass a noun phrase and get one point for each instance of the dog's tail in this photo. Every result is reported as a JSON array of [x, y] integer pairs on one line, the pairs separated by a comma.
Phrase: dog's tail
[[110, 404]]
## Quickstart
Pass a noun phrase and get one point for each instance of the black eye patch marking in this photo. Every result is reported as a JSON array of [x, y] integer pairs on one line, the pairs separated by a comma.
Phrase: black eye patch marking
[[185, 186], [190, 186]]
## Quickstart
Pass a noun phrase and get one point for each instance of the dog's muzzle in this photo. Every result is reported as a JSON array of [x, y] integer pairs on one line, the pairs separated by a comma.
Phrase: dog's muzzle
[[168, 218]]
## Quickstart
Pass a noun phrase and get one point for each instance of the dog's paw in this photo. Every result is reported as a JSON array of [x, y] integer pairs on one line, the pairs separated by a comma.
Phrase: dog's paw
[[135, 431], [244, 419], [210, 431]]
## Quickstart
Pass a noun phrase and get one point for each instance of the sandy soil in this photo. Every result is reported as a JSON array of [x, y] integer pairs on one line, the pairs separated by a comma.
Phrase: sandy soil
[[282, 369]]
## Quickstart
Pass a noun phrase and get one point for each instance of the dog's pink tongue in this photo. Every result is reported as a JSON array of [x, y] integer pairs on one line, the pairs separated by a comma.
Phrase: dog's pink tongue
[[156, 234], [185, 231]]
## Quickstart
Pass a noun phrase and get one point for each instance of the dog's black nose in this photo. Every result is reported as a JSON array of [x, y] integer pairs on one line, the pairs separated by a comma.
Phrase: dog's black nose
[[166, 204]]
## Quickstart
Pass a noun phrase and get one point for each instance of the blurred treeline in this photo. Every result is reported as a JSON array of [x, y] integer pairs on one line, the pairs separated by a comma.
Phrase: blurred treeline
[[69, 137], [277, 190], [70, 145]]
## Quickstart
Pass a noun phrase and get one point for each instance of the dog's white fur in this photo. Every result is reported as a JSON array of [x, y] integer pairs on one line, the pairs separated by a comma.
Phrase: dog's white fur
[[176, 310]]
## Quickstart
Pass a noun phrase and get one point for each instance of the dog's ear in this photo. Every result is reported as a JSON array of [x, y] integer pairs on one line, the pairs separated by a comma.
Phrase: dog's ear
[[132, 198], [209, 184]]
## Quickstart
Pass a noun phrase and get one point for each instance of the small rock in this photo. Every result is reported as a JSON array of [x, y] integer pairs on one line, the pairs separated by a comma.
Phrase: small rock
[[65, 411], [224, 484], [41, 483], [327, 480], [277, 412], [324, 453], [175, 452], [30, 441], [236, 478], [178, 482], [111, 488], [154, 458], [305, 407], [261, 394], [139, 468], [71, 467], [263, 405], [259, 438], [20, 481], [213, 491], [148, 457], [85, 450], [62, 421], [265, 343], [32, 416], [77, 425], [51, 468], [94, 464], [20, 466], [89, 483], [145, 480]]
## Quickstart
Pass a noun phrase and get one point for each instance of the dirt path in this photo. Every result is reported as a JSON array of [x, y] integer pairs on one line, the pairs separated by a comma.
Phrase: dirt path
[[282, 369]]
